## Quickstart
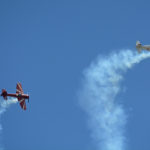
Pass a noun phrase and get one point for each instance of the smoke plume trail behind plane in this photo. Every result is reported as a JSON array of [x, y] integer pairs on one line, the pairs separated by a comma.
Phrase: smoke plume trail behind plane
[[4, 104], [101, 84]]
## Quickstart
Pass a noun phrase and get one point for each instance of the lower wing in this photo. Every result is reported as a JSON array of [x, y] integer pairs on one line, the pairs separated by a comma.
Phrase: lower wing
[[23, 104]]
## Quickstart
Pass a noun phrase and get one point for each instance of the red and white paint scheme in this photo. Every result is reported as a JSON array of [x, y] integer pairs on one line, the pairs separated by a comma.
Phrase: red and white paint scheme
[[19, 95]]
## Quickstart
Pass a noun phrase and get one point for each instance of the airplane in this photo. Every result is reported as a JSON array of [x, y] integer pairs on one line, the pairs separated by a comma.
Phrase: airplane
[[19, 95], [141, 47]]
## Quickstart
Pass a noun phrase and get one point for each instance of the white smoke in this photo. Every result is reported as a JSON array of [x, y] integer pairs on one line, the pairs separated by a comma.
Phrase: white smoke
[[101, 84], [4, 104]]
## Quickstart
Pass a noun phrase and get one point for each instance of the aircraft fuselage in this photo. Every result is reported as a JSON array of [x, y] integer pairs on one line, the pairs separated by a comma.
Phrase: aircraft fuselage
[[25, 96]]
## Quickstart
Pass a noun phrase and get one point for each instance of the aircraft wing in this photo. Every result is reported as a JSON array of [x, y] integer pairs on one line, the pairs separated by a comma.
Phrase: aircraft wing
[[23, 104], [19, 89]]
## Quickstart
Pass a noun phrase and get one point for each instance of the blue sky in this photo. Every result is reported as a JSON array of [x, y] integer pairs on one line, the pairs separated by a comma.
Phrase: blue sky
[[46, 45]]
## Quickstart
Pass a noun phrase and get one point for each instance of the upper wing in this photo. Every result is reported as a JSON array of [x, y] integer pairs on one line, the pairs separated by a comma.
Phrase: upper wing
[[19, 89], [23, 104]]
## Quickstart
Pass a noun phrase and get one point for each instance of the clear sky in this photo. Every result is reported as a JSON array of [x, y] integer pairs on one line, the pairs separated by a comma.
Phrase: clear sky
[[46, 45]]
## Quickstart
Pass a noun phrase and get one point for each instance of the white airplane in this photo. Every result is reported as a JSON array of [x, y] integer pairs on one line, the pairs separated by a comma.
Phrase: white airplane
[[141, 47]]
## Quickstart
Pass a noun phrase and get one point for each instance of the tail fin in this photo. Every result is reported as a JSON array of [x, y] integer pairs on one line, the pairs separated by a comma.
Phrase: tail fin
[[138, 46], [4, 94], [138, 43]]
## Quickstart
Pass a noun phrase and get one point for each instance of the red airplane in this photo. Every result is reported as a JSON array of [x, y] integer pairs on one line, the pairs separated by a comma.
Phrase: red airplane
[[19, 95]]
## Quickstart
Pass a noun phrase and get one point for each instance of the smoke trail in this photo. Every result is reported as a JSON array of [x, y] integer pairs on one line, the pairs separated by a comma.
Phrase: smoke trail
[[101, 84], [4, 104]]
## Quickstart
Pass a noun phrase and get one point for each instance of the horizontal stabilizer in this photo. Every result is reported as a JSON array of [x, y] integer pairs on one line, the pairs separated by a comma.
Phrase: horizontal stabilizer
[[4, 94]]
